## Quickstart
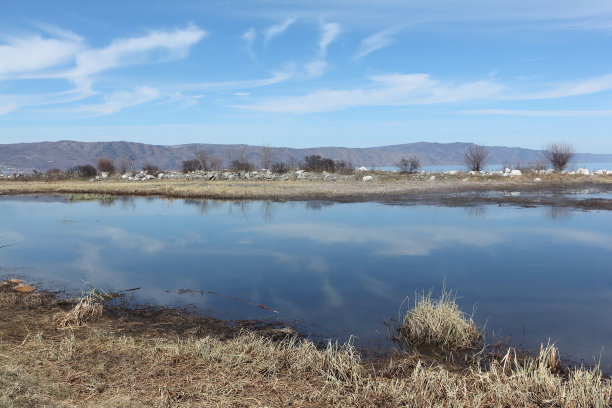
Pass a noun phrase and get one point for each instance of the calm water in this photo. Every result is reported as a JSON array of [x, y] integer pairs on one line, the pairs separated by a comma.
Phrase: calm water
[[331, 269]]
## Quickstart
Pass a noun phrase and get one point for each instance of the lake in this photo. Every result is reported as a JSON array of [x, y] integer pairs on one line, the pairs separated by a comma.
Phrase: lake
[[330, 269]]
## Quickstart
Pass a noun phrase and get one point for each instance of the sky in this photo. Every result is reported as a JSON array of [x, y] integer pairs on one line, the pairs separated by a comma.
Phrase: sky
[[312, 73]]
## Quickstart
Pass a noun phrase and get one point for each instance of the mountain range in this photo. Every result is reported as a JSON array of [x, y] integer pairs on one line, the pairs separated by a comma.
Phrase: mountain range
[[65, 154]]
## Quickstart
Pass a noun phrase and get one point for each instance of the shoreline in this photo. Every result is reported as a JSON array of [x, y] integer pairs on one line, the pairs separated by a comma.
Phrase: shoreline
[[173, 357], [571, 191]]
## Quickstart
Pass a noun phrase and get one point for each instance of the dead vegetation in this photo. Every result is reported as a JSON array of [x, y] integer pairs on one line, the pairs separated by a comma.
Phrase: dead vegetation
[[168, 358]]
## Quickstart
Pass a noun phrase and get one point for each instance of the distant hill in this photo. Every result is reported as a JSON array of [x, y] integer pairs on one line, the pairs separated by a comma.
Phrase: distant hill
[[65, 154]]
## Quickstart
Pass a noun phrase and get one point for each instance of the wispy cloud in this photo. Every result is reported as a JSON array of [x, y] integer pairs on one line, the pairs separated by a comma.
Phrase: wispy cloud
[[66, 57], [385, 90], [167, 45], [119, 100], [249, 37], [34, 53], [375, 42], [554, 113], [329, 33], [275, 30], [569, 88]]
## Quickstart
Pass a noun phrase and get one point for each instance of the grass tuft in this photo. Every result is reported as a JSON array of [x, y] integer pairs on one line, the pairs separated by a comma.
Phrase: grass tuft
[[439, 323]]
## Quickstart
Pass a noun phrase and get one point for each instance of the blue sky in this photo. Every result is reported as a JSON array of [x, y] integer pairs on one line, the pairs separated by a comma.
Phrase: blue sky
[[308, 73]]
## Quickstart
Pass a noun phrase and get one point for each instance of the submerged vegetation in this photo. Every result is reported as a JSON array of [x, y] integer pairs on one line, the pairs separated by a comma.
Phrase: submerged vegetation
[[162, 358]]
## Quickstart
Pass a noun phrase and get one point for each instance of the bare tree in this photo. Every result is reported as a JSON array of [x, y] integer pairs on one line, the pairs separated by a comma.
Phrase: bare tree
[[409, 165], [474, 157], [204, 159], [559, 155], [106, 165], [266, 156], [214, 163], [125, 164]]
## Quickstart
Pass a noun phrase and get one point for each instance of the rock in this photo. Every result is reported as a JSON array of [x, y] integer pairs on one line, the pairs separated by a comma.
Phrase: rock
[[367, 178], [452, 172], [600, 172], [608, 172], [582, 171], [15, 280], [300, 172], [160, 176], [23, 288], [506, 170], [537, 179], [515, 173], [432, 178], [361, 169], [92, 180], [549, 171], [104, 175]]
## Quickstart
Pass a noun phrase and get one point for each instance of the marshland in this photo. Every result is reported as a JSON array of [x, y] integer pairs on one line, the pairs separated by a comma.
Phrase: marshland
[[315, 303]]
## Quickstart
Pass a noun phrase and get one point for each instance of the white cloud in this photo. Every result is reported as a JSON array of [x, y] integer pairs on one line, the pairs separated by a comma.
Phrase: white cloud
[[315, 67], [33, 53], [249, 38], [386, 90], [277, 77], [570, 88], [329, 33], [136, 50], [275, 30], [119, 100], [375, 42], [554, 113]]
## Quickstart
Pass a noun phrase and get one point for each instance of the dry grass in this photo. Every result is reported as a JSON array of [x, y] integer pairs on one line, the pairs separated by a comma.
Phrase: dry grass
[[86, 309], [384, 185], [114, 362], [439, 323]]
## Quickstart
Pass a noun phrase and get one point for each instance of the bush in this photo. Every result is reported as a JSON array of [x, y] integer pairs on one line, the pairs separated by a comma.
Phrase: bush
[[318, 163], [151, 169], [106, 165], [55, 174], [85, 171], [279, 167], [241, 165], [559, 155], [474, 157], [411, 164], [191, 165]]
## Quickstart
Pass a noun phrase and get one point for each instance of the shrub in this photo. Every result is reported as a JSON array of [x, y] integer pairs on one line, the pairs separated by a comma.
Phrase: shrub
[[241, 165], [106, 165], [55, 174], [191, 165], [318, 163], [559, 155], [411, 164], [344, 167], [85, 170], [279, 167], [474, 157], [151, 169]]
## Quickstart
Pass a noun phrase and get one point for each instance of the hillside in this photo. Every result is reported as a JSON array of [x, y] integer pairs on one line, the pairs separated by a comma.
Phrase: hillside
[[65, 154]]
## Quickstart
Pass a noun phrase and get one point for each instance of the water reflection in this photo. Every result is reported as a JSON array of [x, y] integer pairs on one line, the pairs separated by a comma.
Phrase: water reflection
[[558, 213], [338, 270]]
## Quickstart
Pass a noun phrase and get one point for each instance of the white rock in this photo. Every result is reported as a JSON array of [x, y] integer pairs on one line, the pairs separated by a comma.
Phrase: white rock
[[300, 172], [432, 178], [361, 169], [515, 173], [451, 172], [473, 173], [367, 178], [608, 172], [600, 172], [583, 171], [537, 179], [549, 171], [160, 176], [506, 170], [91, 180]]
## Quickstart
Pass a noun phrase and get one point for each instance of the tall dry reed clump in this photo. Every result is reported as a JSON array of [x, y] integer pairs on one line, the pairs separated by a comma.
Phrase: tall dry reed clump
[[439, 323]]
